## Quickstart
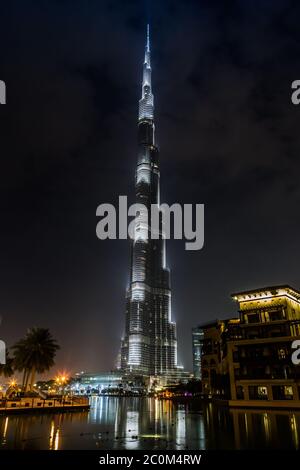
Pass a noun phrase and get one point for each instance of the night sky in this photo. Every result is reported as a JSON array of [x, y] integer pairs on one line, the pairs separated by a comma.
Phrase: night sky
[[228, 134]]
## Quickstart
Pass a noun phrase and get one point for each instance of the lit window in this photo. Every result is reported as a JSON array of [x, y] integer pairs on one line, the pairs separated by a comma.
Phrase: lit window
[[281, 353], [288, 392], [262, 392]]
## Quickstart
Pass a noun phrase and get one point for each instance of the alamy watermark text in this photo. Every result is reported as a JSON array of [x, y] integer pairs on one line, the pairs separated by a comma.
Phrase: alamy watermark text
[[154, 223], [2, 92]]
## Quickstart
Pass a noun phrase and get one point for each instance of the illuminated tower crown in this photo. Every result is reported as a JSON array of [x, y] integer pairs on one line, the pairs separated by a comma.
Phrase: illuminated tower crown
[[146, 104]]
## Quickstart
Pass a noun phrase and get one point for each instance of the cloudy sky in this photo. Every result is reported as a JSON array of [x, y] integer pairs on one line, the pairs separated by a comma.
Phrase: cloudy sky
[[228, 136]]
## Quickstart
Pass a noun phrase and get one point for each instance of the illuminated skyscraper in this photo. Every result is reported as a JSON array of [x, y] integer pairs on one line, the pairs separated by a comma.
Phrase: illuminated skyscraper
[[149, 345]]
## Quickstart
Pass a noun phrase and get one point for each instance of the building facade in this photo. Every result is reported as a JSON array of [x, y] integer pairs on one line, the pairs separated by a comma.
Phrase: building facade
[[112, 382], [149, 344], [260, 365], [86, 382], [197, 337], [214, 363], [252, 355]]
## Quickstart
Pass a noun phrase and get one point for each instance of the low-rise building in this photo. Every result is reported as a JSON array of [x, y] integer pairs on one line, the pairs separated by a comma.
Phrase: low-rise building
[[260, 365], [214, 365], [95, 383], [247, 360]]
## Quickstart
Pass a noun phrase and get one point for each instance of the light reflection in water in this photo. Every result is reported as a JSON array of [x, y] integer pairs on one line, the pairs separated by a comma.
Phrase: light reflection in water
[[294, 429], [51, 435], [148, 423], [266, 421], [132, 430], [3, 437], [180, 429], [56, 441]]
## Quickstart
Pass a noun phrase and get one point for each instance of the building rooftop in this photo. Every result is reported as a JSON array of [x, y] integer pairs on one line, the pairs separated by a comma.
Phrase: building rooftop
[[269, 291]]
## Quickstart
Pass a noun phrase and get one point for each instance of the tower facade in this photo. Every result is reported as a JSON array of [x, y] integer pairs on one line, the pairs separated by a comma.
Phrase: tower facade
[[149, 345]]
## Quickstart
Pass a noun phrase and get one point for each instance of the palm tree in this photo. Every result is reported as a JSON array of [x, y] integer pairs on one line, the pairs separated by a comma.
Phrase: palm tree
[[21, 360], [34, 354], [7, 369]]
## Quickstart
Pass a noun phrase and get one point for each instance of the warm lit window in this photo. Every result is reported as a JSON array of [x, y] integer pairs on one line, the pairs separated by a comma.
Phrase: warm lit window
[[288, 391], [262, 392], [281, 353]]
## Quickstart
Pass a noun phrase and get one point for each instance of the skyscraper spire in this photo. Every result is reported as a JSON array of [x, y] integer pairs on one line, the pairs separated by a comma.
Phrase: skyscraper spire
[[148, 38], [149, 345], [146, 105]]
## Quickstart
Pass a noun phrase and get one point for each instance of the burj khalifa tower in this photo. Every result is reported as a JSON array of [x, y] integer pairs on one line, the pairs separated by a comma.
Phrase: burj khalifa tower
[[149, 344]]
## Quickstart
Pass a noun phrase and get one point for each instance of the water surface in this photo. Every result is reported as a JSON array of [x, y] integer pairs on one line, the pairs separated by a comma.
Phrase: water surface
[[148, 423]]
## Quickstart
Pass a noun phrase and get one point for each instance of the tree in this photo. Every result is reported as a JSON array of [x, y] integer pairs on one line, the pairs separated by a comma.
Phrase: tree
[[34, 354], [20, 361]]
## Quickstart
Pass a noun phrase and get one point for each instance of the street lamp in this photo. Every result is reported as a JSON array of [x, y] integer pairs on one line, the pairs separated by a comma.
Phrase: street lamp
[[61, 381]]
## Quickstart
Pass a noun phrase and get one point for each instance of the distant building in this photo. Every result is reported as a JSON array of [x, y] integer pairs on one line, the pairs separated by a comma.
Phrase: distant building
[[175, 377], [85, 382], [198, 336], [247, 360], [117, 381], [214, 366]]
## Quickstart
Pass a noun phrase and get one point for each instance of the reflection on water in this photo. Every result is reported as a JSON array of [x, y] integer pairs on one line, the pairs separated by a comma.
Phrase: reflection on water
[[147, 423]]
